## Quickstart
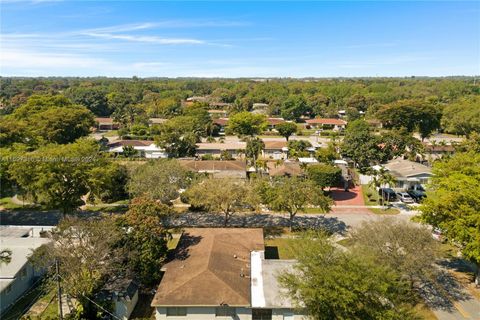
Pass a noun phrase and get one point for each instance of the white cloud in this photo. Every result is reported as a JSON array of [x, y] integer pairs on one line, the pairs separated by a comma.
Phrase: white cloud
[[147, 39]]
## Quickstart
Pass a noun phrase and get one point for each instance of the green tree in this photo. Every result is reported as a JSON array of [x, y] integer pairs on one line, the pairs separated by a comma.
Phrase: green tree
[[107, 183], [293, 194], [87, 254], [329, 283], [58, 175], [463, 116], [360, 144], [92, 98], [53, 119], [253, 149], [294, 107], [411, 115], [146, 241], [298, 148], [224, 196], [286, 129], [179, 136], [246, 124], [403, 246], [326, 155], [324, 175], [453, 202], [159, 180]]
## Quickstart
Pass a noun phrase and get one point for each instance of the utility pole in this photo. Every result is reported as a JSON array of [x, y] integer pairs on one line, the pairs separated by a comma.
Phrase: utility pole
[[59, 290]]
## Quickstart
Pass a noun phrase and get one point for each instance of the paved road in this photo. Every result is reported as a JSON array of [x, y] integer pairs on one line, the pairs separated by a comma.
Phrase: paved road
[[338, 220]]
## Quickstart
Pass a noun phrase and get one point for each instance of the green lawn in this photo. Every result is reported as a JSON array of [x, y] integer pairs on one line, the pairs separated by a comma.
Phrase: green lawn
[[279, 248], [424, 312], [373, 200], [389, 211], [313, 211], [7, 204]]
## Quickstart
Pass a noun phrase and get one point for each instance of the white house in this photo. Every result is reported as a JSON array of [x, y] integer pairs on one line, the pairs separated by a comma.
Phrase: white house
[[17, 275], [408, 174], [123, 295], [327, 123], [146, 148]]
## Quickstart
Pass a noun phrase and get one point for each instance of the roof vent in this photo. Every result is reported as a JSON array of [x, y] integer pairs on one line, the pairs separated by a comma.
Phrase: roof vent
[[241, 273], [235, 256]]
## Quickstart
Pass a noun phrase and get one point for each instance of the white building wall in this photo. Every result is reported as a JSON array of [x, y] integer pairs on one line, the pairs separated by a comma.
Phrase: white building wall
[[124, 308], [208, 313], [203, 313], [17, 287]]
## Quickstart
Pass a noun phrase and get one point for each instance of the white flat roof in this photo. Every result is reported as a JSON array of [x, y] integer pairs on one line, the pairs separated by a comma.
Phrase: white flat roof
[[266, 291], [21, 248]]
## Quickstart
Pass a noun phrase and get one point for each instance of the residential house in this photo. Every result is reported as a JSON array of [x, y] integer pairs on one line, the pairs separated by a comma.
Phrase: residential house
[[434, 152], [222, 273], [375, 123], [327, 124], [106, 124], [233, 148], [260, 108], [285, 169], [408, 174], [276, 150], [272, 122], [191, 100], [156, 121], [215, 114], [17, 275], [236, 169], [122, 293], [145, 148], [221, 123]]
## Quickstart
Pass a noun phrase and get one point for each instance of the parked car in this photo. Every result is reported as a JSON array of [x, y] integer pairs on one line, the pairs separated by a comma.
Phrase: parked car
[[405, 197], [417, 195], [387, 194]]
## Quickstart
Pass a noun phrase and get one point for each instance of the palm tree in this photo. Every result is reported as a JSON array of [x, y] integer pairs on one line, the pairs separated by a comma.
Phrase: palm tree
[[5, 256], [386, 178]]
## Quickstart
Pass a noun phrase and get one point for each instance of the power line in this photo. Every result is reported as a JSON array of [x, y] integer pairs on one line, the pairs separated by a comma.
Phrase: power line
[[97, 304]]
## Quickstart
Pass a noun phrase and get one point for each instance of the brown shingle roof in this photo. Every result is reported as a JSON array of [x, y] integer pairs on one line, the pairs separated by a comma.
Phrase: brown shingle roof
[[211, 267], [275, 121], [275, 145], [221, 121], [132, 143], [104, 120], [214, 165], [326, 121], [289, 169]]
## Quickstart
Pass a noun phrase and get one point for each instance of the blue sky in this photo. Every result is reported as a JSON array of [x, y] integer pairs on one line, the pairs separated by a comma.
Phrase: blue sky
[[239, 39]]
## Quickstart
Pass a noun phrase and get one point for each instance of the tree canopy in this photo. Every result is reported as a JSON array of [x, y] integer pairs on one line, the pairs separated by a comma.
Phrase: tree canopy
[[160, 180], [246, 124], [453, 202], [329, 283]]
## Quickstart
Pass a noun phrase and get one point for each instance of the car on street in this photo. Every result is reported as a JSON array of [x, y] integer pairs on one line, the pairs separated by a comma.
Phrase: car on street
[[405, 197], [388, 194], [417, 195]]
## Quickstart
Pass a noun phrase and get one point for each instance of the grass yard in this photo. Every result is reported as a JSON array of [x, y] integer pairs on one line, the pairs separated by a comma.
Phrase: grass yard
[[279, 248], [424, 312], [373, 200], [313, 211], [8, 204], [389, 211]]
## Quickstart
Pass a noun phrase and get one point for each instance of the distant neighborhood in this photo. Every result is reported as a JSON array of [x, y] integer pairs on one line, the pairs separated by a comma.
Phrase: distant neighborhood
[[239, 198]]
